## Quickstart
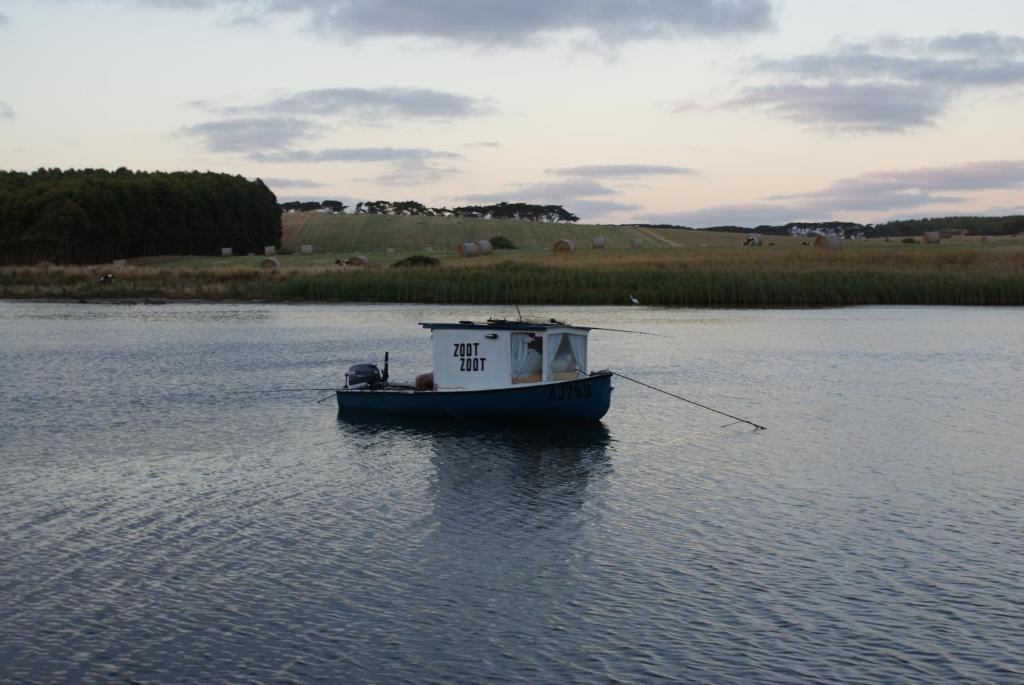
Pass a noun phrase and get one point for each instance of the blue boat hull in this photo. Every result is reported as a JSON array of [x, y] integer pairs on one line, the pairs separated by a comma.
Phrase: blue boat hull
[[586, 399]]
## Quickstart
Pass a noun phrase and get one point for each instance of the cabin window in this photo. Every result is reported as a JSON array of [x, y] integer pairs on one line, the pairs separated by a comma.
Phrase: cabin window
[[527, 358], [568, 356]]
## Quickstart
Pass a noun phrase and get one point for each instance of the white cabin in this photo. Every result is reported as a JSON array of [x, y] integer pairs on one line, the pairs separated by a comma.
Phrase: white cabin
[[506, 354]]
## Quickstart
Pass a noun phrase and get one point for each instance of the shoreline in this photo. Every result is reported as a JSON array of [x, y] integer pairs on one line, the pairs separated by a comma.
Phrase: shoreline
[[158, 302]]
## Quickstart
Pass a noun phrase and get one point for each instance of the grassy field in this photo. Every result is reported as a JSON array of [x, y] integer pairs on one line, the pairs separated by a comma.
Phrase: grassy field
[[880, 273], [375, 233], [672, 267]]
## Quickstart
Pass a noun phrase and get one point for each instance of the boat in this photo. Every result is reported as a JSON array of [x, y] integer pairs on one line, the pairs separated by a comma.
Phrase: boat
[[496, 369]]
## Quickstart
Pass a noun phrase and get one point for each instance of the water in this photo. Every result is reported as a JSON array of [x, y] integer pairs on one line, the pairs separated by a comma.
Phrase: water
[[155, 527]]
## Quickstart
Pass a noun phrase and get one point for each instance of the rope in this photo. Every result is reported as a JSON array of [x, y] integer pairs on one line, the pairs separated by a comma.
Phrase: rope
[[698, 404], [445, 406], [253, 392]]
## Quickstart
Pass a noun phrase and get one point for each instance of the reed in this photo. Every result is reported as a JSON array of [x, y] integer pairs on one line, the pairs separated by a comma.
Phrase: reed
[[731, 278]]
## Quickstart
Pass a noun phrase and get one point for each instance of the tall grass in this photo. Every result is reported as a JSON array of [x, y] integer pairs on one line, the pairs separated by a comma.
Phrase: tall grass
[[741, 278]]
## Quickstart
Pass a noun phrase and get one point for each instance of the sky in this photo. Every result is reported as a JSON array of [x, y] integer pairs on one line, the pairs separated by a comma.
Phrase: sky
[[693, 112]]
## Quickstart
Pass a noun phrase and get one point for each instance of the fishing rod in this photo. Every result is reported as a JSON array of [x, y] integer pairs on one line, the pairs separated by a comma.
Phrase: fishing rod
[[563, 323], [623, 330], [757, 427]]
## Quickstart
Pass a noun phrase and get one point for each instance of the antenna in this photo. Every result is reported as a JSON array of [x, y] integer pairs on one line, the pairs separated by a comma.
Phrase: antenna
[[519, 313]]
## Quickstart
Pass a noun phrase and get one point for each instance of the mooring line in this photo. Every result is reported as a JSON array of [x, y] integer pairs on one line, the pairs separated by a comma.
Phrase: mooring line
[[698, 404], [445, 406], [253, 392]]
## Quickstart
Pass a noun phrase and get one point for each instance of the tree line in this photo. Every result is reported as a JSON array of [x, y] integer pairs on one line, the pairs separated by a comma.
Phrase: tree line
[[971, 225], [312, 206], [513, 211], [82, 216]]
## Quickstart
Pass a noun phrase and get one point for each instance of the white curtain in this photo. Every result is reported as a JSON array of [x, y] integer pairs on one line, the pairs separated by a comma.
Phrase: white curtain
[[551, 345], [579, 350], [521, 354]]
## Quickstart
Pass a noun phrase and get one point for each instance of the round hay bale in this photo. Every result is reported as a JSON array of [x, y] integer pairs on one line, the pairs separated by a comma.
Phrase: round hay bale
[[468, 249], [270, 263], [598, 242], [485, 247], [564, 247], [306, 249], [357, 260], [270, 250], [636, 242], [832, 241], [226, 252], [932, 237]]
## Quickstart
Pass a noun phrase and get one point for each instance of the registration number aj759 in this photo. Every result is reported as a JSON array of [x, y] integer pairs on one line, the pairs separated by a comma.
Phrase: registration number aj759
[[569, 392]]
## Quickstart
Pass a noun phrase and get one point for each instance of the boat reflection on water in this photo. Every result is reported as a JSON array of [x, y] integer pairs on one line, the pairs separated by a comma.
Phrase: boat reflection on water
[[499, 532], [496, 461]]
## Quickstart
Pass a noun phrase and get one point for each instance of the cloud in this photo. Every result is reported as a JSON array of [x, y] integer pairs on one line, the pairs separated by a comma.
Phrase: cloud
[[583, 196], [416, 171], [990, 44], [882, 107], [622, 170], [876, 191], [6, 111], [889, 190], [887, 84], [749, 215], [292, 183], [597, 208], [484, 143], [558, 192], [581, 192], [510, 24], [370, 105], [354, 154], [406, 166], [957, 61], [246, 135]]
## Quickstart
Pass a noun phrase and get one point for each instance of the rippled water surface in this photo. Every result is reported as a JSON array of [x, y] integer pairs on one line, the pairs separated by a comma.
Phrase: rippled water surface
[[158, 524]]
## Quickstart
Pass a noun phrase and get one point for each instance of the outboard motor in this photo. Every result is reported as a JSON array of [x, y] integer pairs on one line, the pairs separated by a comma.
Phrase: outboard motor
[[363, 375]]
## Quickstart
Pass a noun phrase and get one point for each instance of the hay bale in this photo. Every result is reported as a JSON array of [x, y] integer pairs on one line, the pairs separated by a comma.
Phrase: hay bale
[[832, 241], [270, 263], [391, 250], [468, 249], [306, 249], [428, 249], [931, 238], [636, 242], [597, 242], [226, 252], [357, 260], [270, 250], [485, 247], [120, 262], [563, 247]]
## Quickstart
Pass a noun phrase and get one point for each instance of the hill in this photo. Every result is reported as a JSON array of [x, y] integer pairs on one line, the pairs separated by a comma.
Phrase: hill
[[375, 233]]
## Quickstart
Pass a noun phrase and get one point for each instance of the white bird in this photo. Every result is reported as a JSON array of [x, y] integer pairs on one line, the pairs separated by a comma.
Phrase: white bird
[[633, 300]]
